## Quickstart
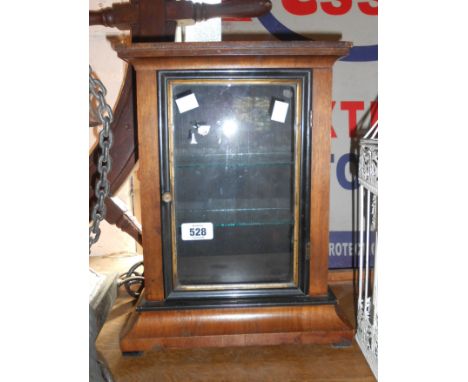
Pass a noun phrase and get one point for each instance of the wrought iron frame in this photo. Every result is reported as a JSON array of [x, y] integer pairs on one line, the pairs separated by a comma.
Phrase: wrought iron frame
[[367, 314]]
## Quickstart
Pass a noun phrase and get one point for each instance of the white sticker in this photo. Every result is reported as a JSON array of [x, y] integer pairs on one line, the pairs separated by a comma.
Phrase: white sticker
[[197, 231], [203, 129], [186, 103], [280, 109]]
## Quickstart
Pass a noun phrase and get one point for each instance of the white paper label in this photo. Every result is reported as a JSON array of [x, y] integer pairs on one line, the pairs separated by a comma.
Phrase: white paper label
[[280, 109], [197, 231], [203, 129], [186, 103]]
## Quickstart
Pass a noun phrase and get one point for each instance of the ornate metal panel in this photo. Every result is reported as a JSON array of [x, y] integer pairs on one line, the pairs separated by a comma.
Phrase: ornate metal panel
[[367, 316]]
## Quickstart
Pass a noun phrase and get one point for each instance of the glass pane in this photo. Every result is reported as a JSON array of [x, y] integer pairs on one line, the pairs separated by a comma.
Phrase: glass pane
[[233, 176]]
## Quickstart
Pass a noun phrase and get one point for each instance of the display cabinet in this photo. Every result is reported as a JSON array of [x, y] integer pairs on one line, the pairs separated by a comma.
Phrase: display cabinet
[[234, 141]]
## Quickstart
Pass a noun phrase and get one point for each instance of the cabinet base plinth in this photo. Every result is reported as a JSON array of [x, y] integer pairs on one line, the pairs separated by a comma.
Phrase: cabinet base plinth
[[319, 324]]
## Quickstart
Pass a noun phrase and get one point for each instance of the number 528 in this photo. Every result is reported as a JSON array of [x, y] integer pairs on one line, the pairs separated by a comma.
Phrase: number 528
[[197, 231]]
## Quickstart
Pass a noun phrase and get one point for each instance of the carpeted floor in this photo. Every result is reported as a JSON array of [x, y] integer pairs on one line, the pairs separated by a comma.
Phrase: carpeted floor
[[268, 363]]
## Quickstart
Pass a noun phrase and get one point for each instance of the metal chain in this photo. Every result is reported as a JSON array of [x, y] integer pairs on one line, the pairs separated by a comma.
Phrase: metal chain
[[102, 187]]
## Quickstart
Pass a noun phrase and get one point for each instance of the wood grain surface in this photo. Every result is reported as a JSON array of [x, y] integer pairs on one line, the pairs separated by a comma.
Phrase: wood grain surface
[[150, 193], [234, 48], [148, 58], [320, 180], [319, 363], [240, 326], [234, 327]]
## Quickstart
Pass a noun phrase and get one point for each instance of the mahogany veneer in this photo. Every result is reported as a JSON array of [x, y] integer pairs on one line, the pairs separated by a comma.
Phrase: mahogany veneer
[[232, 326]]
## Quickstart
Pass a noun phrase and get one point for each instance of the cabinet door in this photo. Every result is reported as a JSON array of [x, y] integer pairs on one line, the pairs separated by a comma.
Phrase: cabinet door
[[234, 163]]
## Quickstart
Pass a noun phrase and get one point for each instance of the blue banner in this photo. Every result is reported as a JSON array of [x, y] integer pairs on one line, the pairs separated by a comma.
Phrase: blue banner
[[344, 249]]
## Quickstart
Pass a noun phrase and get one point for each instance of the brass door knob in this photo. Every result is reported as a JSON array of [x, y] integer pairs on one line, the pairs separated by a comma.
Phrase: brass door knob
[[166, 197]]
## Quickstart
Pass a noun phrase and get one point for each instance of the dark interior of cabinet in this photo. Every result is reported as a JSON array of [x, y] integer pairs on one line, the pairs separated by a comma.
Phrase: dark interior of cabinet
[[229, 163]]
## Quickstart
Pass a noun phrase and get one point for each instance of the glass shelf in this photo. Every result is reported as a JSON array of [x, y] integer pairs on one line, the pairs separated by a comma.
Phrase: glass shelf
[[232, 209], [234, 159], [237, 217], [236, 164], [252, 224], [180, 154]]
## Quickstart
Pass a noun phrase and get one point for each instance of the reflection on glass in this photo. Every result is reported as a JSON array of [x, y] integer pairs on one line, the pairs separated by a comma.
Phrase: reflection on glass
[[229, 127], [234, 167]]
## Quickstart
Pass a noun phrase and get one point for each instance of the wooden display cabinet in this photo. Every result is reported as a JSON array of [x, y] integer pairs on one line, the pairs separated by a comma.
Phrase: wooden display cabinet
[[234, 141]]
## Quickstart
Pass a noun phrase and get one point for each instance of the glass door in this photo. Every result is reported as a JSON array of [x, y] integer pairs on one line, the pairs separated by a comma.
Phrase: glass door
[[233, 166]]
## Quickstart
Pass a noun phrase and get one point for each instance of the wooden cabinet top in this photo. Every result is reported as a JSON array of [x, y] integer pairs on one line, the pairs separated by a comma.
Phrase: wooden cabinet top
[[233, 48]]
